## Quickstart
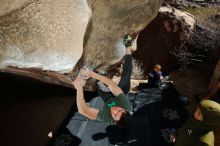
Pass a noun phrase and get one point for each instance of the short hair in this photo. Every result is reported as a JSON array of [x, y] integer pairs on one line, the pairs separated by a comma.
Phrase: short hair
[[125, 120], [158, 66]]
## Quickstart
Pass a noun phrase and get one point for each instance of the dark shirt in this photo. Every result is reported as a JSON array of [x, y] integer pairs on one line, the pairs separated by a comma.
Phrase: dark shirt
[[105, 114], [154, 79]]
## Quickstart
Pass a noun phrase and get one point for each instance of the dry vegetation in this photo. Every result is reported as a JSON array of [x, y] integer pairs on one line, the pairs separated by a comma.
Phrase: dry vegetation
[[204, 45], [137, 70], [203, 13]]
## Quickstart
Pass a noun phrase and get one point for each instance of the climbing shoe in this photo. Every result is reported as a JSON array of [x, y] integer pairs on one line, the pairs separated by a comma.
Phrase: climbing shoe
[[127, 41]]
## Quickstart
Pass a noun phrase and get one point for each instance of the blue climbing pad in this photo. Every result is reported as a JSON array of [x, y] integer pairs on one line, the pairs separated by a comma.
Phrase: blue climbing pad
[[153, 120]]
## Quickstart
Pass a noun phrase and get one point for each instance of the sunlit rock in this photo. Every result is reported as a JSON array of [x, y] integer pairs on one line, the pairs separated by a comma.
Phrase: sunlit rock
[[45, 34], [110, 21], [51, 39]]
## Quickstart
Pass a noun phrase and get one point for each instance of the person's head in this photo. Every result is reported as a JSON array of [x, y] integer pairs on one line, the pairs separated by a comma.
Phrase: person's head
[[121, 117], [157, 68], [208, 112]]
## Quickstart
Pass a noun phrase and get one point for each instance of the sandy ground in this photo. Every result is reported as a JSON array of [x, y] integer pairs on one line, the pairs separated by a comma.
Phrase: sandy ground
[[30, 109]]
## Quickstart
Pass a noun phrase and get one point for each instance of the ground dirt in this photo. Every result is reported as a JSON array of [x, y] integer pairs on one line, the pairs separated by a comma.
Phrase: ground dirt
[[30, 110]]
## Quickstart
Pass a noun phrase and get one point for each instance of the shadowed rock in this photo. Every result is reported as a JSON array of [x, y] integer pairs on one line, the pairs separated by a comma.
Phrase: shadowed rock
[[162, 40]]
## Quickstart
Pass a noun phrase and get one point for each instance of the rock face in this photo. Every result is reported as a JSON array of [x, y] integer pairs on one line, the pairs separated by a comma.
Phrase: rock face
[[184, 4], [163, 37], [192, 81], [45, 39], [104, 41], [42, 34]]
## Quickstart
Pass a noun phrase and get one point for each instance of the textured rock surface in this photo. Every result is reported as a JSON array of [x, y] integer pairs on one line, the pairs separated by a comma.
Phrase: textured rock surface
[[184, 4], [46, 38], [192, 81], [45, 34], [7, 6], [111, 20], [164, 36]]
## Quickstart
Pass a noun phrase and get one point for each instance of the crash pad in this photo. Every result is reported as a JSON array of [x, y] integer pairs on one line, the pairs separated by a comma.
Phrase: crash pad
[[154, 118]]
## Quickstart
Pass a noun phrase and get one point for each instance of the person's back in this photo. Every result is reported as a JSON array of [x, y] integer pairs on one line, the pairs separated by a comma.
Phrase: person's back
[[199, 131], [113, 102]]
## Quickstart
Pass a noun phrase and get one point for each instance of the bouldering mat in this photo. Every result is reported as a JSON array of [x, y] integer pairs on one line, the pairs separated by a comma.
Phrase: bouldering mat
[[153, 120]]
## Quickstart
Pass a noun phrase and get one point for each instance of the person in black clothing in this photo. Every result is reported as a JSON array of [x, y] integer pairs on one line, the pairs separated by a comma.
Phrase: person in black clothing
[[155, 77]]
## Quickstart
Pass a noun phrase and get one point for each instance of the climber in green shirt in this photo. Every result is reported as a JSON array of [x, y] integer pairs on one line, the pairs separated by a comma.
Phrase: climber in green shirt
[[117, 107]]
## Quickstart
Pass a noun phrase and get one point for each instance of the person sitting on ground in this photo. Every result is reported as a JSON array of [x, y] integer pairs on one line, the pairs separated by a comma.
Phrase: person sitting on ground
[[214, 93], [117, 105], [155, 77], [198, 130]]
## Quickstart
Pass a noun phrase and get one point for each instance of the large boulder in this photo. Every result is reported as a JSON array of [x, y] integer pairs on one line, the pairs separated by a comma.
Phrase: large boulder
[[162, 40], [51, 39]]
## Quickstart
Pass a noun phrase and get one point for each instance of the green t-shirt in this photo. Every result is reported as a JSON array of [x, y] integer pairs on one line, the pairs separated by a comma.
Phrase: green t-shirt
[[105, 114]]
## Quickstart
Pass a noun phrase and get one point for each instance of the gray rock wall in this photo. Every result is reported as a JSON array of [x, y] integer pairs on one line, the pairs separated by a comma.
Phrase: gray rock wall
[[111, 20], [45, 34], [45, 39]]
